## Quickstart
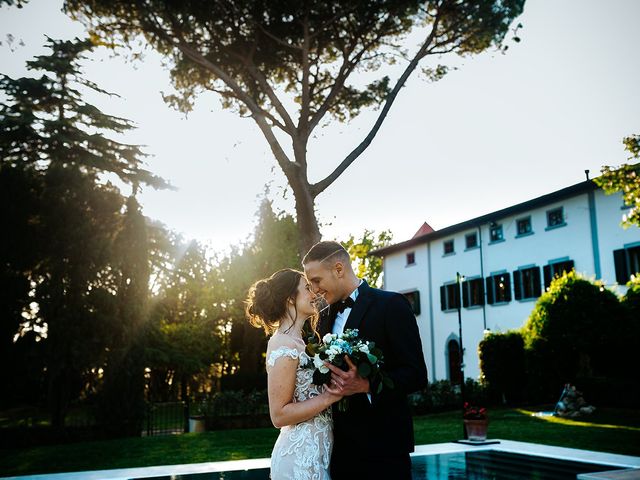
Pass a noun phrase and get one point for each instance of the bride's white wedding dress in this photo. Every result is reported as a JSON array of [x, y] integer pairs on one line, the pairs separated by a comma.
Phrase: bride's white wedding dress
[[302, 451]]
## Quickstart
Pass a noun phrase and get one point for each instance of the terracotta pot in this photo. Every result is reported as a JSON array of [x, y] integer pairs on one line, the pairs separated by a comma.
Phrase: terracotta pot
[[476, 429]]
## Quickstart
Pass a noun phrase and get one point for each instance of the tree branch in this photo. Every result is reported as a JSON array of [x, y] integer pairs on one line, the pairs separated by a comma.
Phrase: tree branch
[[276, 39], [346, 69], [320, 186], [289, 126], [258, 114], [303, 121]]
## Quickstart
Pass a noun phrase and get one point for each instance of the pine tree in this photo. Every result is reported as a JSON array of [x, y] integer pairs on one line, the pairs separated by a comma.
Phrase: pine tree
[[52, 136], [47, 122], [121, 409]]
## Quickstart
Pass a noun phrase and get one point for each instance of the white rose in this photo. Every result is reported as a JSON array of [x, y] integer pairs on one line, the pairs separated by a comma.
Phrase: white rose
[[364, 348], [317, 362], [327, 338]]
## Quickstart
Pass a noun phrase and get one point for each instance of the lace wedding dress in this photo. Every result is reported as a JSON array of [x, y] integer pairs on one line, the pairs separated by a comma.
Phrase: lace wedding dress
[[302, 451]]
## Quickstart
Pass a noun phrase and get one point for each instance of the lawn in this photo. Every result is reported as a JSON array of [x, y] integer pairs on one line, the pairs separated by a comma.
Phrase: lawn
[[608, 430]]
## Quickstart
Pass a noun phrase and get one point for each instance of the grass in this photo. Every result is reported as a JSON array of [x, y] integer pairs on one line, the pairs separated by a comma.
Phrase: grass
[[608, 430], [166, 417]]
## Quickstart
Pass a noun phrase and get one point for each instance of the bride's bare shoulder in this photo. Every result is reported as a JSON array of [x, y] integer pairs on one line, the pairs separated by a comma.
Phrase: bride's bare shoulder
[[279, 340]]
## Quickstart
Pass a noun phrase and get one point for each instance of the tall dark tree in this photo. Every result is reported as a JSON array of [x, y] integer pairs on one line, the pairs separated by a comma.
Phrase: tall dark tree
[[274, 246], [289, 65], [122, 397], [73, 279], [18, 203], [56, 142], [47, 122]]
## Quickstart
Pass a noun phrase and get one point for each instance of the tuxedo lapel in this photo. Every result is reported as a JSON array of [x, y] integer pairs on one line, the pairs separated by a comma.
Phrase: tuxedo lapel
[[360, 307]]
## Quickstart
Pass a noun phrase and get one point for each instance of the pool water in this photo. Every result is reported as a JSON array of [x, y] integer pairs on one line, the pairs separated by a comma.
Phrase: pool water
[[496, 465], [480, 465]]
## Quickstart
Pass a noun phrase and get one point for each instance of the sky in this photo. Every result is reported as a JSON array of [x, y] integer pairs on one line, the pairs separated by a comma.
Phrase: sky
[[499, 130]]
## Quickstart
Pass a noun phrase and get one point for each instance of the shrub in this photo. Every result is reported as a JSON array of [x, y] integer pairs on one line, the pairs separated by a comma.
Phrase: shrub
[[502, 363], [235, 409], [577, 325], [442, 395]]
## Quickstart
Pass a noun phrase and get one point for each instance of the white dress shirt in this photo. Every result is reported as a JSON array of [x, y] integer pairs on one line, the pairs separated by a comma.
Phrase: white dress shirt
[[341, 318]]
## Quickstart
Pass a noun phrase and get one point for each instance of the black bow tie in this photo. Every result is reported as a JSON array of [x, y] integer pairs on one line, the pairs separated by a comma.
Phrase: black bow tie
[[344, 304]]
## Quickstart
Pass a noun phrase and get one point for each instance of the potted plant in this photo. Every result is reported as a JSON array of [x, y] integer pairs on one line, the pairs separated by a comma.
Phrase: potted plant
[[197, 418], [476, 422]]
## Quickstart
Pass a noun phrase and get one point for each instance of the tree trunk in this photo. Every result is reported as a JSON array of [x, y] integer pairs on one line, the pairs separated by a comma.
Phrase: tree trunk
[[305, 205], [307, 221]]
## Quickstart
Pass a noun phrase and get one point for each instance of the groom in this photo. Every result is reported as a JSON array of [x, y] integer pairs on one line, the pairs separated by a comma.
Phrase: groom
[[374, 437]]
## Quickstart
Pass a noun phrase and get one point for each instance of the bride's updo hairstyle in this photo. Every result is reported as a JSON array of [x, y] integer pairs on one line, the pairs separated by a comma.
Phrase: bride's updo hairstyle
[[266, 303]]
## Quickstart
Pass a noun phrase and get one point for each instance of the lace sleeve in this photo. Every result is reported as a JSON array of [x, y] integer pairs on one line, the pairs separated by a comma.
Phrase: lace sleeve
[[282, 352]]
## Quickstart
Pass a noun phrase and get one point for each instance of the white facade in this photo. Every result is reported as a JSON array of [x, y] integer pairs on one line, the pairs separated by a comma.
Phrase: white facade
[[587, 231]]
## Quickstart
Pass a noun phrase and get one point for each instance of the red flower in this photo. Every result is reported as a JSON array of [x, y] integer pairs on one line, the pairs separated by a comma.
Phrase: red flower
[[474, 413]]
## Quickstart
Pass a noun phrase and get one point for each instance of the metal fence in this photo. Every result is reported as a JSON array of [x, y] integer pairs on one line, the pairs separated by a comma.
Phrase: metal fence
[[225, 410], [166, 418]]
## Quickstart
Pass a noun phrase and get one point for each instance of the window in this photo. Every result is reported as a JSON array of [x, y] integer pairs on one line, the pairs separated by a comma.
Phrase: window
[[523, 226], [498, 288], [556, 269], [555, 217], [449, 296], [414, 300], [526, 283], [411, 258], [627, 263], [448, 247], [495, 233], [472, 292], [471, 240]]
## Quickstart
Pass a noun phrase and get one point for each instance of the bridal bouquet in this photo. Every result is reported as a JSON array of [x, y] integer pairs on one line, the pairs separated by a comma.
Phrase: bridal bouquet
[[367, 358]]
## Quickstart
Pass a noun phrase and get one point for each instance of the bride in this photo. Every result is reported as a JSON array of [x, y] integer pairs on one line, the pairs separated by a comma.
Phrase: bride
[[281, 305]]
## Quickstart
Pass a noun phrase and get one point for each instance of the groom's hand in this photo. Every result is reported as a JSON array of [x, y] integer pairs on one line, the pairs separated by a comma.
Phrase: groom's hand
[[348, 382]]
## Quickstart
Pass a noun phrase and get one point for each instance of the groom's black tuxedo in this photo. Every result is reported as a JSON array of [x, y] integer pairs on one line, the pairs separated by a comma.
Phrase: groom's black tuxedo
[[375, 434]]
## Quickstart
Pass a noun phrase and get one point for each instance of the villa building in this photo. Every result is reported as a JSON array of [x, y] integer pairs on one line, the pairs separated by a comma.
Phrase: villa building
[[505, 260]]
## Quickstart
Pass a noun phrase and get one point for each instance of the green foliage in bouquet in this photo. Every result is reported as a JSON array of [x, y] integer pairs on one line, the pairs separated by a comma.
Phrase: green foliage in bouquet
[[367, 358]]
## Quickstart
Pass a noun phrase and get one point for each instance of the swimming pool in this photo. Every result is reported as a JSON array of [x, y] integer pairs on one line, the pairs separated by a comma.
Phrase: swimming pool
[[442, 460], [491, 462], [488, 464]]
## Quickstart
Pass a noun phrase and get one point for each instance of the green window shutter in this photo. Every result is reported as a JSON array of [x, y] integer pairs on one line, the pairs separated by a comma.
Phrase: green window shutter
[[517, 284], [443, 298], [456, 296], [489, 281], [547, 276], [570, 265], [465, 294], [620, 262]]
